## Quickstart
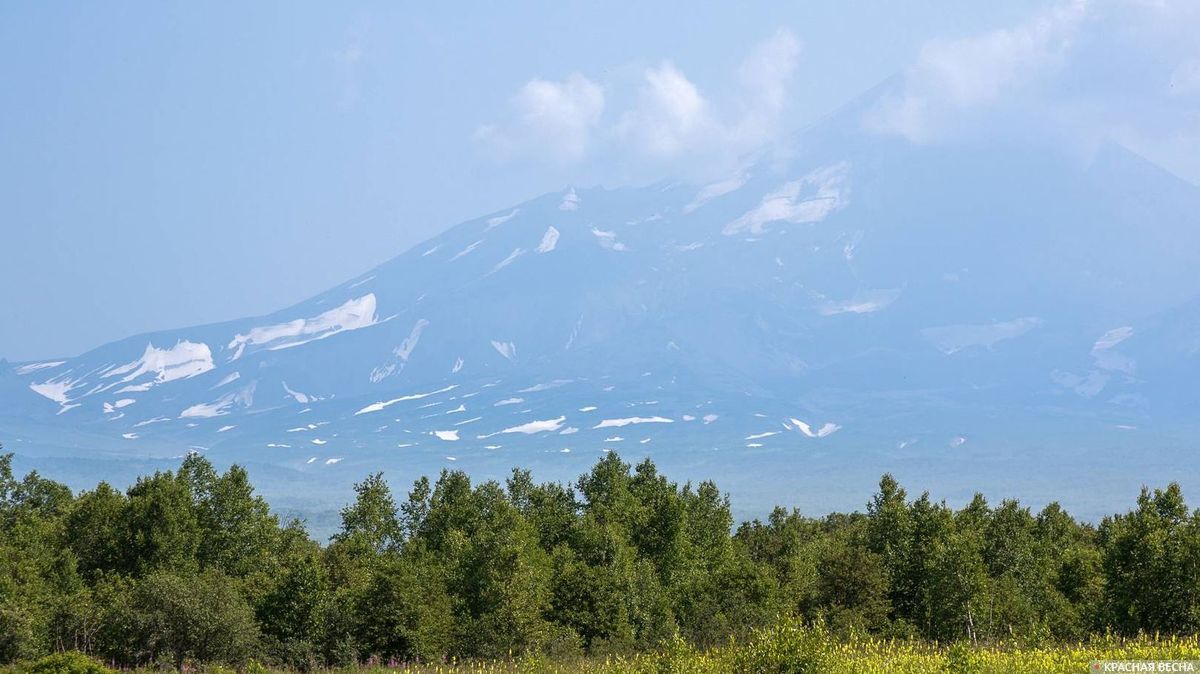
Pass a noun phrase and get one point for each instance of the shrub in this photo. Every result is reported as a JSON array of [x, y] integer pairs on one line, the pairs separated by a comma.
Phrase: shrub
[[70, 662], [790, 647]]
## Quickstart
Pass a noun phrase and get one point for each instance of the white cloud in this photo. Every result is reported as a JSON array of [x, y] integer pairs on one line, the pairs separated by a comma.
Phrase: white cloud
[[672, 118], [954, 75], [555, 117], [1126, 72], [764, 76], [668, 117], [671, 115]]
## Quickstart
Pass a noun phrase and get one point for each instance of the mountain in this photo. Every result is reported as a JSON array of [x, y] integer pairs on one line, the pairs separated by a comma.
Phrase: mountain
[[999, 314]]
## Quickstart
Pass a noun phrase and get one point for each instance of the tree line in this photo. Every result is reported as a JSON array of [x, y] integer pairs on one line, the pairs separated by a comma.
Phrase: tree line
[[191, 566]]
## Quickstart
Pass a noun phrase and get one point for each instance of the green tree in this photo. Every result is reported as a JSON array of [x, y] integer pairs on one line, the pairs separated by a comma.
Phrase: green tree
[[1152, 564], [371, 523], [94, 530], [201, 617], [405, 611], [237, 529], [159, 527], [292, 613], [889, 535], [852, 586]]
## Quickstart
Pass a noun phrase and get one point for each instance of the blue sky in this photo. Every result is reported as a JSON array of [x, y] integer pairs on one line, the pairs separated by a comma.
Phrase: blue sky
[[167, 164]]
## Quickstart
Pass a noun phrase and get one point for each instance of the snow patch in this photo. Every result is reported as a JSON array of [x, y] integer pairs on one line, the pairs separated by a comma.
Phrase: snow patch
[[228, 379], [570, 201], [717, 189], [1106, 357], [448, 436], [221, 406], [354, 314], [849, 248], [406, 347], [618, 423], [532, 427], [1087, 386], [549, 240], [862, 303], [809, 199], [517, 252], [759, 436], [545, 386], [185, 359], [299, 397], [34, 367], [501, 219], [1112, 338], [537, 426], [375, 407], [824, 431], [466, 251], [608, 240], [506, 349], [950, 339]]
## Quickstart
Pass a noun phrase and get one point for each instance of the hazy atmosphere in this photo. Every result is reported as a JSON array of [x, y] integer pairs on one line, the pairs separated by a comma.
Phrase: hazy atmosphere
[[599, 337], [176, 164]]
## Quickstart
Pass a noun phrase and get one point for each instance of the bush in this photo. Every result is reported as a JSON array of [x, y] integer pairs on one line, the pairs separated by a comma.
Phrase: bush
[[790, 647], [71, 662]]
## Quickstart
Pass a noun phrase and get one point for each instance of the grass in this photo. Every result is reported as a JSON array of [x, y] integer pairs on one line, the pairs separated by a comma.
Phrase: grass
[[795, 649], [787, 648]]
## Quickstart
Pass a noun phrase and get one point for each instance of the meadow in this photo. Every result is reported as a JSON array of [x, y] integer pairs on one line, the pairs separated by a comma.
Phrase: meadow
[[788, 647]]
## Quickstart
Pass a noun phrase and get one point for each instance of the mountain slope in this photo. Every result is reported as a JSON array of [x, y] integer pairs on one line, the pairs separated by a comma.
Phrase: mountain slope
[[863, 305]]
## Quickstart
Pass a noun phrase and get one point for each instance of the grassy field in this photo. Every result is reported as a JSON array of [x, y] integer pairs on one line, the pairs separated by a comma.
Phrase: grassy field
[[789, 648], [799, 651]]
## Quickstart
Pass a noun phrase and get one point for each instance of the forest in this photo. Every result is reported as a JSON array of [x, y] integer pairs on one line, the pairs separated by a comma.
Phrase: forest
[[191, 568]]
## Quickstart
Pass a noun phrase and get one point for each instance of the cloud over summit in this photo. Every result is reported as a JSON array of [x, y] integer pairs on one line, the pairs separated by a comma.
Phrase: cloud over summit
[[666, 118]]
